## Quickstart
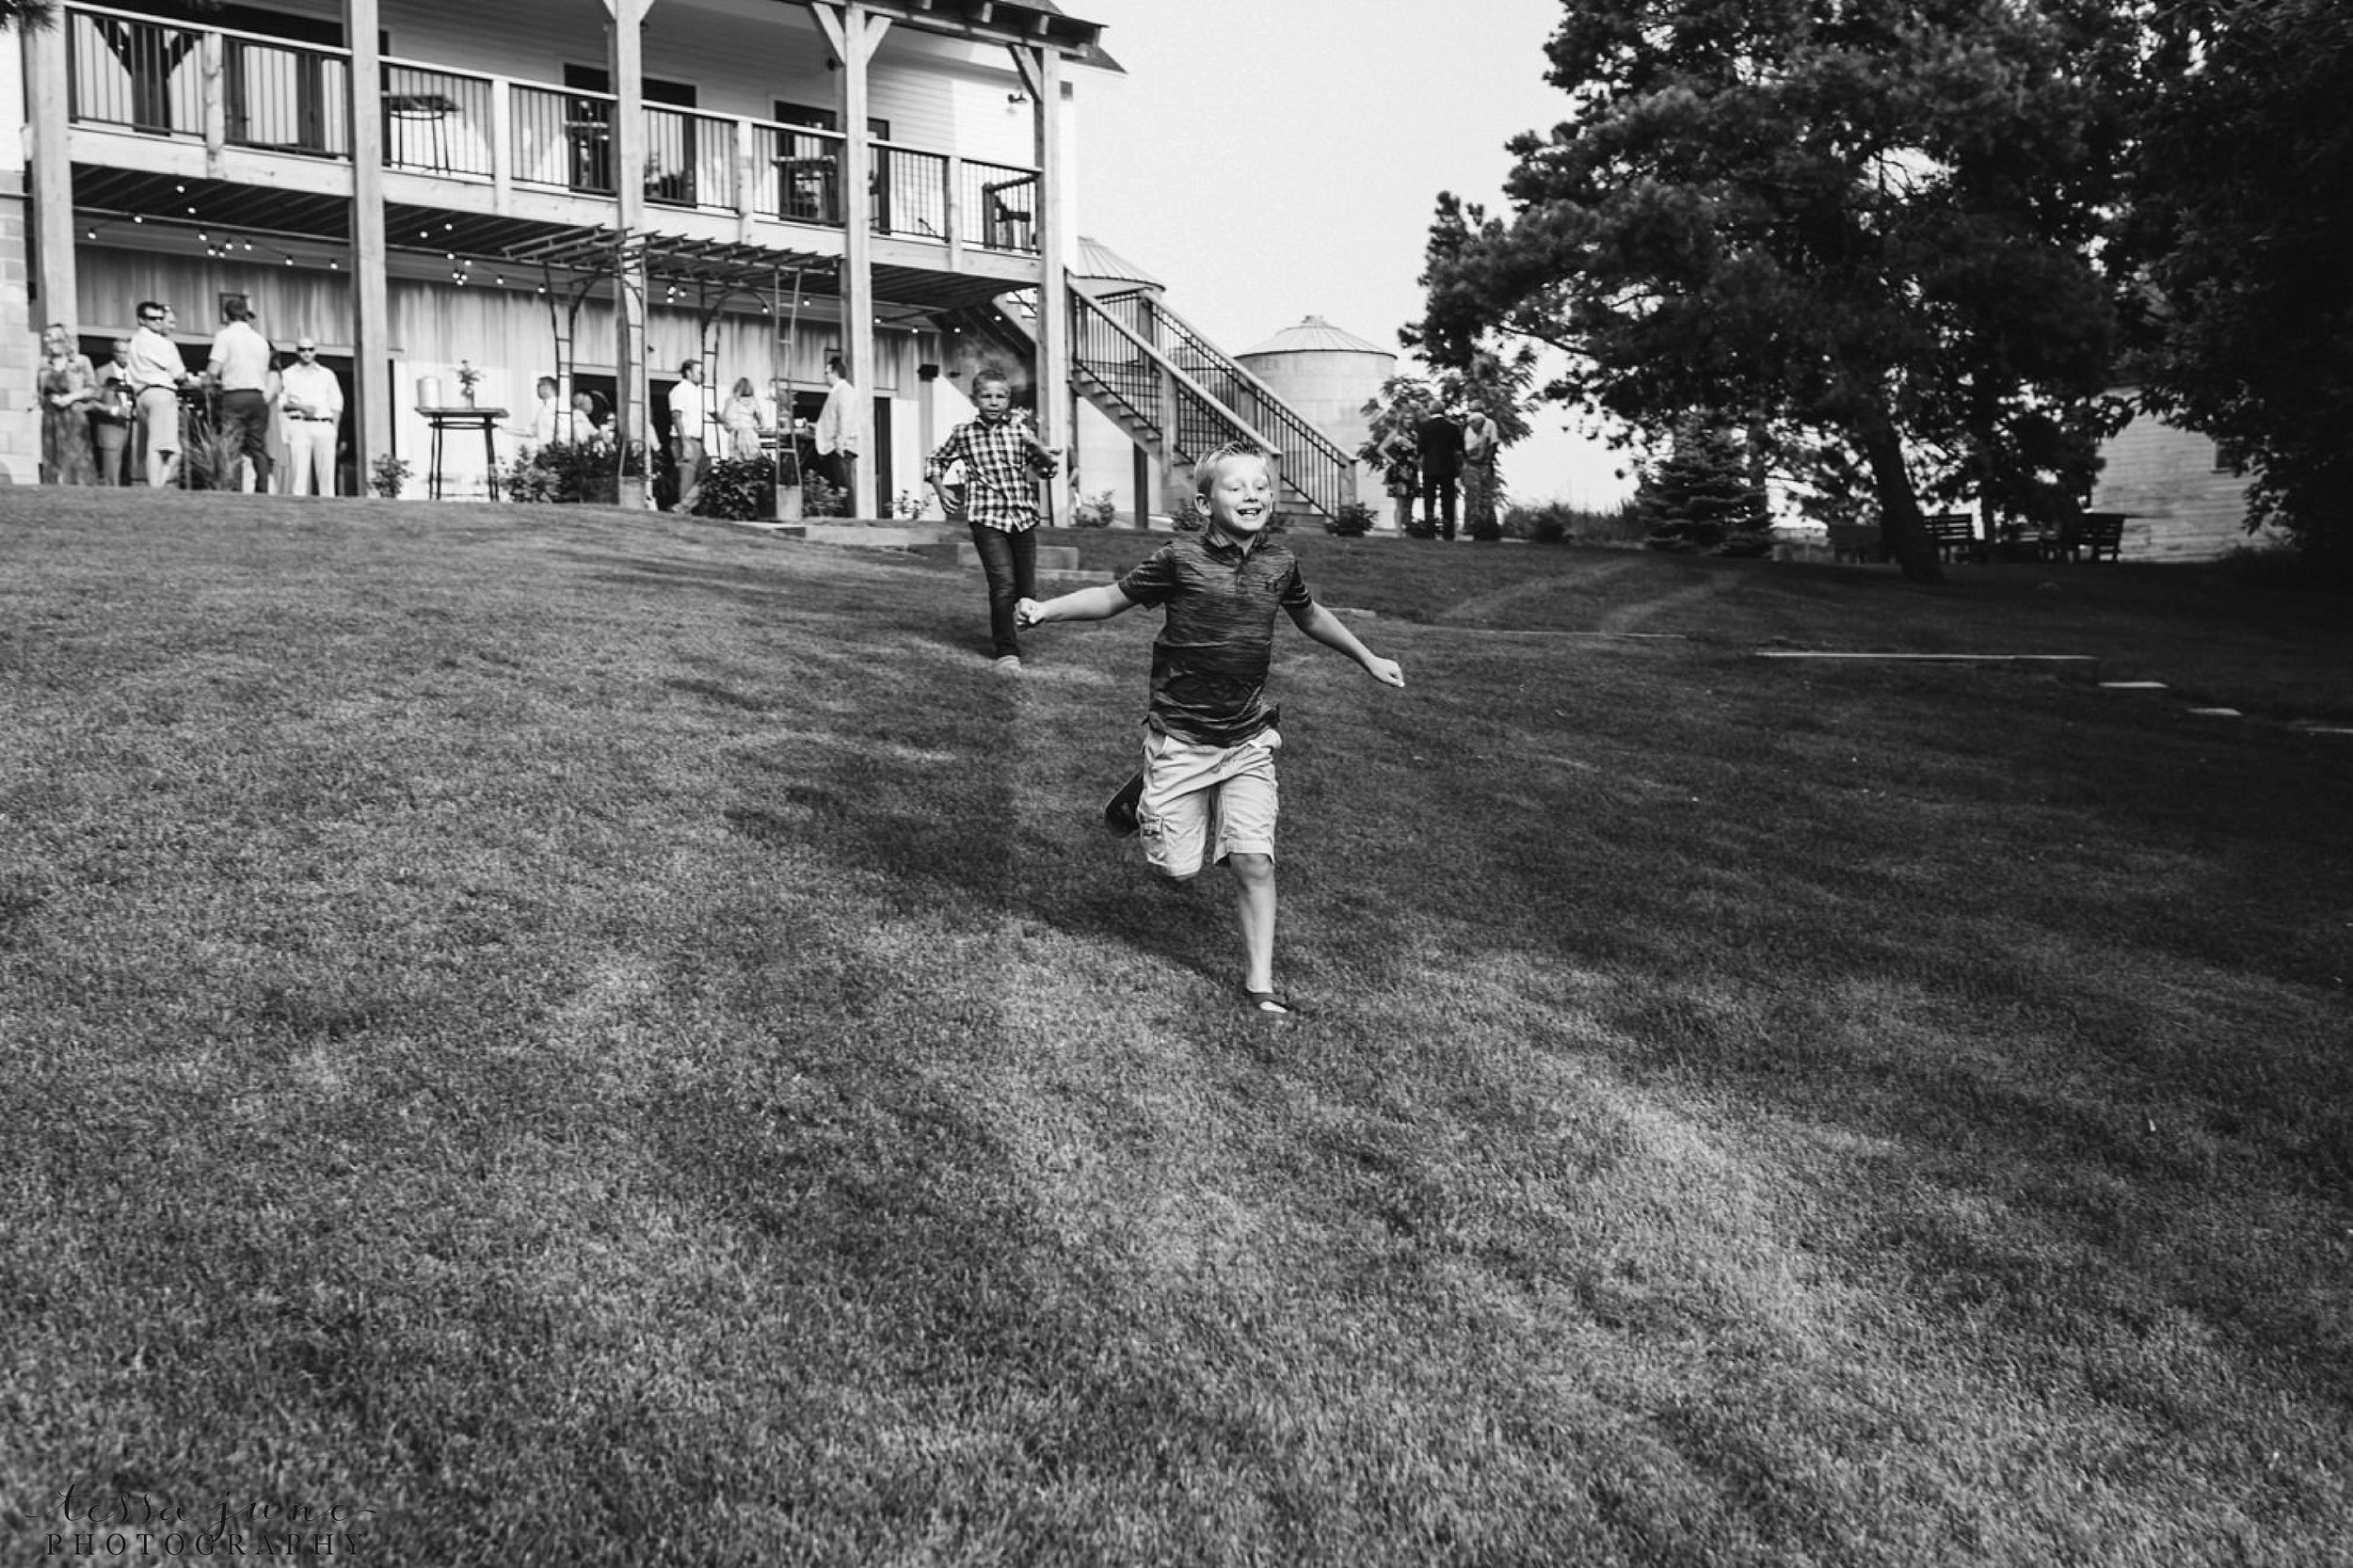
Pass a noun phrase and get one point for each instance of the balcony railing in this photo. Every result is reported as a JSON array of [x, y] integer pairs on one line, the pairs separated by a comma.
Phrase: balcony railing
[[150, 77], [1001, 206], [137, 73]]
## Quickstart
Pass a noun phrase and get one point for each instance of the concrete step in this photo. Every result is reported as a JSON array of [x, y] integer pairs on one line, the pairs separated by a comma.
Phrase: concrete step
[[872, 535], [1050, 557]]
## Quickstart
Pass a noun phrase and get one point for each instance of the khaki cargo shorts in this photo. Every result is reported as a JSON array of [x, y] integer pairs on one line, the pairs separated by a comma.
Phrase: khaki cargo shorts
[[1203, 803]]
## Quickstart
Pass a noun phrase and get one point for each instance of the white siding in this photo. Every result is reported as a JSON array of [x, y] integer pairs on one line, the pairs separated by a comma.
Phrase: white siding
[[2182, 508]]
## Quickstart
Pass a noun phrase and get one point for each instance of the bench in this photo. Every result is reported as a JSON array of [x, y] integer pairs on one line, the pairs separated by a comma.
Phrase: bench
[[2100, 533], [1955, 535]]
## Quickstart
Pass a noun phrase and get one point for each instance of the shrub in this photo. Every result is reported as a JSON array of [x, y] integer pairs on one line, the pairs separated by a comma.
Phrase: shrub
[[562, 471], [1351, 520], [737, 490], [820, 498], [388, 474], [1555, 521], [1097, 511]]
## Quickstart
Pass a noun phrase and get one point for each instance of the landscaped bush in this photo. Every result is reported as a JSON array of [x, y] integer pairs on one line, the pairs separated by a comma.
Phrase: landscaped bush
[[737, 490], [389, 474], [1353, 519], [821, 499], [562, 471], [1556, 521], [1097, 511]]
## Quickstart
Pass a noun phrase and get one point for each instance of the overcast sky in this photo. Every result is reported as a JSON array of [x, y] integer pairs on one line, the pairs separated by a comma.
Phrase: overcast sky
[[1270, 160]]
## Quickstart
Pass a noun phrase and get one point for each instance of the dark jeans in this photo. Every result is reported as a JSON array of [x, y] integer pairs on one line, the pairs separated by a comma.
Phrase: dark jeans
[[1437, 503], [245, 427], [840, 471], [1011, 562]]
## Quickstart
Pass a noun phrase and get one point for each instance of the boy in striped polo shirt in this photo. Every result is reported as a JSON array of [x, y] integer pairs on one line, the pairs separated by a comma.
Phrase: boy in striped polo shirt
[[1208, 789]]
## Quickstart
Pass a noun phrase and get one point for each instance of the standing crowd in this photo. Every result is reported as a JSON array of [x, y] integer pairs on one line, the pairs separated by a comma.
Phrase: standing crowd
[[137, 414]]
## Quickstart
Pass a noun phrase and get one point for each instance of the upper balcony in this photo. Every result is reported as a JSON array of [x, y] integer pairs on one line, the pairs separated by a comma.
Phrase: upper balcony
[[171, 100]]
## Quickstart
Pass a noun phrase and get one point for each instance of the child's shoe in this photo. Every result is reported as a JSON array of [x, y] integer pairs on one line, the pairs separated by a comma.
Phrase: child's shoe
[[1119, 812], [1276, 1005]]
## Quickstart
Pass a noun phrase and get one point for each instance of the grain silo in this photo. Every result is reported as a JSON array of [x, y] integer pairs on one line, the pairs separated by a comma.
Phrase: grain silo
[[1328, 375]]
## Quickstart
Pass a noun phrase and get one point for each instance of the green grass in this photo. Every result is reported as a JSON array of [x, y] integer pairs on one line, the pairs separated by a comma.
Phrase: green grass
[[598, 1038]]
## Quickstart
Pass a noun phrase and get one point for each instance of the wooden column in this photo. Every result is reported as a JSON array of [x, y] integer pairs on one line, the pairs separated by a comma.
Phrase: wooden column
[[1041, 70], [854, 33], [57, 285], [632, 419], [371, 391]]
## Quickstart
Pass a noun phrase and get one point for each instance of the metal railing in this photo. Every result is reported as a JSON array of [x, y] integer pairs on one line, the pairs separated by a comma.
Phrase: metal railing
[[437, 122], [243, 90], [562, 139], [150, 76], [1001, 206], [690, 159], [910, 193], [796, 174], [1313, 463]]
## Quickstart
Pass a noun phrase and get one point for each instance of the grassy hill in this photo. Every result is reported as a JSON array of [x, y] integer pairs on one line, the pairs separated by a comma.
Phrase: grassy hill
[[576, 1038]]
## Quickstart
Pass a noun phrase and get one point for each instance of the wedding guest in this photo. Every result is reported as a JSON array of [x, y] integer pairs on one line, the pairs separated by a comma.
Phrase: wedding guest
[[313, 400], [69, 391]]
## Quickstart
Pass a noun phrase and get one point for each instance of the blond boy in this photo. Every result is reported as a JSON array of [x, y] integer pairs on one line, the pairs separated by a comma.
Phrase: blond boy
[[1208, 789]]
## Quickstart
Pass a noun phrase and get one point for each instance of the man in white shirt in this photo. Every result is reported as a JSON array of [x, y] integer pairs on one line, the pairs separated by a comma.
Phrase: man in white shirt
[[840, 434], [239, 366], [156, 374], [314, 402], [551, 421], [688, 414]]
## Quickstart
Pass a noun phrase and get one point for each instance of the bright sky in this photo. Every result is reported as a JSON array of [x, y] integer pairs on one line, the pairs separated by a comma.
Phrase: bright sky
[[1271, 160]]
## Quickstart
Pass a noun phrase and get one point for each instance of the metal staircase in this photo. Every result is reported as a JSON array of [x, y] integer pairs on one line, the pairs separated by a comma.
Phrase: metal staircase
[[1163, 382]]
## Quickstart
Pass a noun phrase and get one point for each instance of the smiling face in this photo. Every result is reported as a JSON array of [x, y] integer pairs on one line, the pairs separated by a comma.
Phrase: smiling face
[[1240, 493]]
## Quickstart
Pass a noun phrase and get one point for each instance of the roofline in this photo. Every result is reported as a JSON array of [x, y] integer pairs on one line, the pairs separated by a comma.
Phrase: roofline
[[1004, 21]]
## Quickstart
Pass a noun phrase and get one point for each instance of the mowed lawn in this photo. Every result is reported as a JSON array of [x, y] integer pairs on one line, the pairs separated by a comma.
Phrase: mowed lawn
[[590, 1038]]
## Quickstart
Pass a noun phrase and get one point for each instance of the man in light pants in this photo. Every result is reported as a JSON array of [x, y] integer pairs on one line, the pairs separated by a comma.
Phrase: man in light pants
[[314, 401]]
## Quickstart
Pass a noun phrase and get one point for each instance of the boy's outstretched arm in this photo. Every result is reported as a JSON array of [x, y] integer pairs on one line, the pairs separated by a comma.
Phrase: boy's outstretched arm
[[1097, 603], [1332, 633]]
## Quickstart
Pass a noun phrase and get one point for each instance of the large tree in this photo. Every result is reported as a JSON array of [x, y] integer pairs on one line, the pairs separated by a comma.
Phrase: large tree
[[2246, 203], [1876, 221]]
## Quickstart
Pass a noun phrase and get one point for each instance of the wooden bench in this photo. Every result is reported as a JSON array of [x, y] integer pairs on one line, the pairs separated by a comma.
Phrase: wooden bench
[[1955, 535], [2100, 533]]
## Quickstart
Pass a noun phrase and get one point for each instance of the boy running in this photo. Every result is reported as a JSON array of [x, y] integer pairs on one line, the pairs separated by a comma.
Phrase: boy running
[[1208, 789]]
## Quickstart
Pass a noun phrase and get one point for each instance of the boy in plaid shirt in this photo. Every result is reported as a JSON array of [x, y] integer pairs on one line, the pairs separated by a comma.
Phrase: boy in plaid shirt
[[1208, 789], [1002, 460]]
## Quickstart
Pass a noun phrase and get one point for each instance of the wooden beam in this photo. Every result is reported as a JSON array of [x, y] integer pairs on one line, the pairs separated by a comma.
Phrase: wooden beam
[[1053, 290], [47, 113], [370, 394], [632, 418]]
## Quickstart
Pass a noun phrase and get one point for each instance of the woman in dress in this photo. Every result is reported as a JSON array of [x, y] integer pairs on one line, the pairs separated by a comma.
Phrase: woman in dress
[[69, 390], [739, 419]]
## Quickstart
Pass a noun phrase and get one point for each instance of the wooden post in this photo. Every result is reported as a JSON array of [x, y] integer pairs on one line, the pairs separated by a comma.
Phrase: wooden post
[[503, 148], [58, 285], [1041, 70], [214, 86], [370, 394], [632, 420], [855, 33]]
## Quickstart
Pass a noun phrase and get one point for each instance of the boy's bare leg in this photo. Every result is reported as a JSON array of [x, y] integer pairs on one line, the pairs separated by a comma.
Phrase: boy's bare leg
[[1254, 906]]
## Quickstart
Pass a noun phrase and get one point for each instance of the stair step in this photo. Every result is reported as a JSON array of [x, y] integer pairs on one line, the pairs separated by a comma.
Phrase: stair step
[[1050, 557], [872, 535]]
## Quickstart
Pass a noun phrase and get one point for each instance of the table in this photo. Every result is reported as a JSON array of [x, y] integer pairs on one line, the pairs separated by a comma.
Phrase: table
[[430, 112], [462, 418], [808, 189]]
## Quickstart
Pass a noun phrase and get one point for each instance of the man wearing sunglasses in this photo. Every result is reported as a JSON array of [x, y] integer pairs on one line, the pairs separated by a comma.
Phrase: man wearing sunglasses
[[314, 402]]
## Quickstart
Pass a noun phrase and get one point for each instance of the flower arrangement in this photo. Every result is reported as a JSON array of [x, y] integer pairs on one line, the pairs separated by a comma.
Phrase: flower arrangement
[[468, 378]]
